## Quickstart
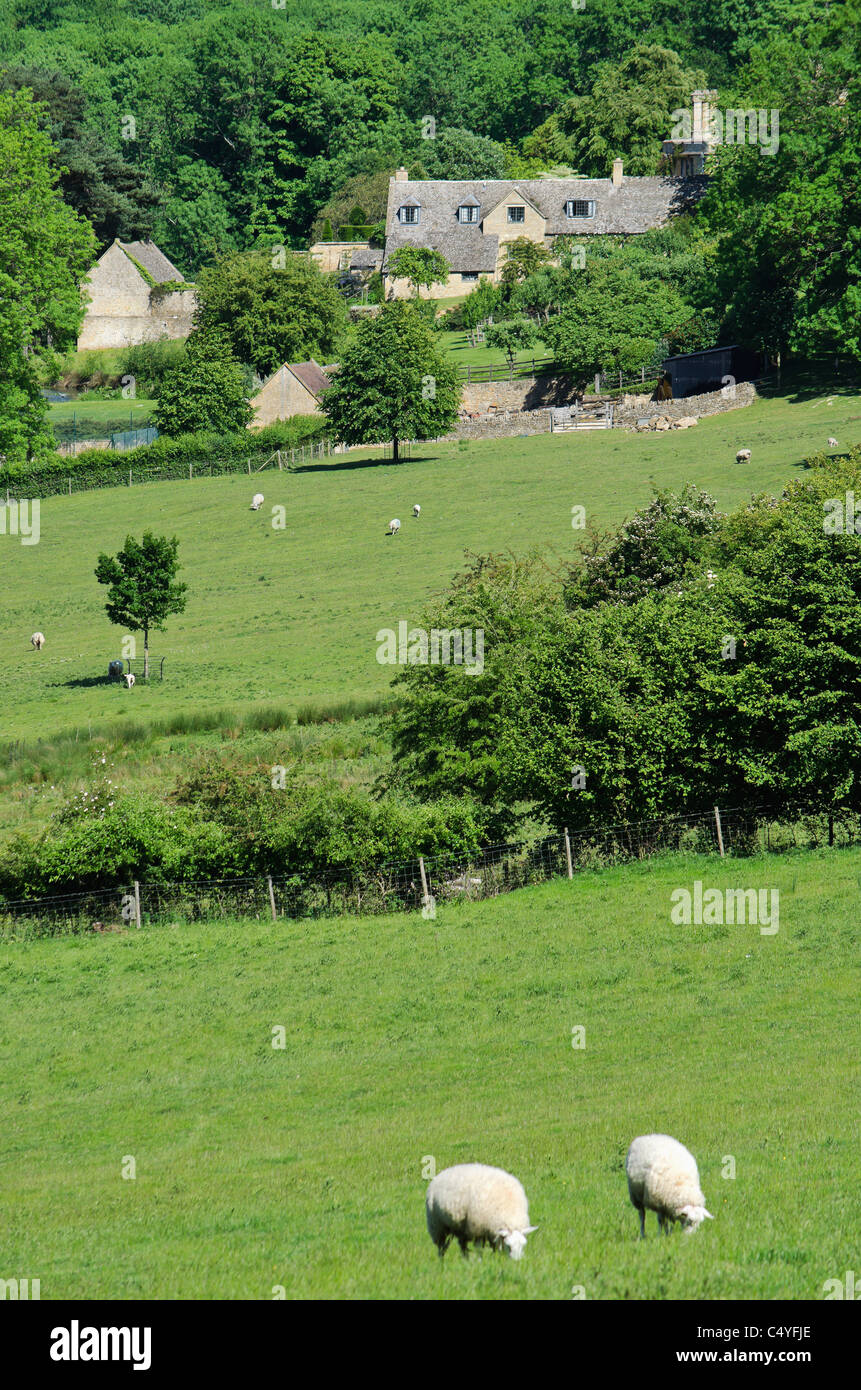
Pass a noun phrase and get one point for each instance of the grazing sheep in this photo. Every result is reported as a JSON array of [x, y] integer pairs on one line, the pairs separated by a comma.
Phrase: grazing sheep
[[394, 527], [743, 456], [115, 670], [417, 510], [129, 680], [832, 443], [37, 641], [257, 501], [663, 1177], [476, 1203]]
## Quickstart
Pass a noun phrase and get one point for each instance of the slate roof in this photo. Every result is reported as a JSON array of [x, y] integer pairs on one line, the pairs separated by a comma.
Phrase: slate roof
[[635, 206], [147, 254], [311, 375], [366, 258]]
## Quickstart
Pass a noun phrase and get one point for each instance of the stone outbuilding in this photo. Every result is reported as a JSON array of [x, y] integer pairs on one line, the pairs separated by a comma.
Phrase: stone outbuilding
[[136, 295], [295, 389]]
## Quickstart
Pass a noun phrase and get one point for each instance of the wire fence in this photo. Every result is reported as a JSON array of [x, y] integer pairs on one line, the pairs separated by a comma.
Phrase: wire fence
[[423, 883]]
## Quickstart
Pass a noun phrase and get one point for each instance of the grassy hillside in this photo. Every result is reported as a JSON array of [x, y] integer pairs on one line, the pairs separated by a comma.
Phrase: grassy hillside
[[291, 615], [408, 1040]]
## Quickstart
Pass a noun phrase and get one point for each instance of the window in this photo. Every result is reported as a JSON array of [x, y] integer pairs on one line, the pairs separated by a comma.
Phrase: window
[[409, 213], [517, 214], [579, 207], [467, 212], [469, 275]]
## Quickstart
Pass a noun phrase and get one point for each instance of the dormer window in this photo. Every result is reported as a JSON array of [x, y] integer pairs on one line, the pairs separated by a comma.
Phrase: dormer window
[[517, 214], [468, 212], [579, 207], [409, 212]]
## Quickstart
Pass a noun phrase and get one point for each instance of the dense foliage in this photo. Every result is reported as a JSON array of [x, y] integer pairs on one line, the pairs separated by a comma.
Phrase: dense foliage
[[688, 661]]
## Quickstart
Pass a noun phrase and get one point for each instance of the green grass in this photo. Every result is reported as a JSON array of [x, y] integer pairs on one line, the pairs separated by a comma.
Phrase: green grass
[[99, 415], [457, 344], [290, 617], [407, 1039]]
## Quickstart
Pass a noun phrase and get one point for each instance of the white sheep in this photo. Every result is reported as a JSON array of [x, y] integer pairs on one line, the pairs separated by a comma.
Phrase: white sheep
[[832, 443], [129, 680], [476, 1203], [37, 641], [417, 510], [663, 1177], [394, 527], [743, 456], [115, 670], [257, 501]]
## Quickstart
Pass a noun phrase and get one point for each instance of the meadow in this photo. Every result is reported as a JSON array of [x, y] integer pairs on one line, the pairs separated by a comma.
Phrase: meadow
[[291, 616], [409, 1043]]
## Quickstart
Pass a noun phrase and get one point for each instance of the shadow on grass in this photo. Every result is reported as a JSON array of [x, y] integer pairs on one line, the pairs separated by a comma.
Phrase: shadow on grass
[[804, 384], [373, 462]]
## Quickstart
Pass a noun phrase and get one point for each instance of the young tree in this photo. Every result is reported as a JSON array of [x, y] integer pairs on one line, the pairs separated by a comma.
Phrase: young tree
[[143, 591], [478, 306], [393, 382], [524, 258], [456, 153], [613, 321], [206, 391], [419, 265], [511, 337], [272, 308]]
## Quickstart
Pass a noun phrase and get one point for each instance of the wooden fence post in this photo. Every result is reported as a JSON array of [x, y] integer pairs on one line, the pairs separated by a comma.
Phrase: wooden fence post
[[272, 898], [130, 477], [424, 881], [137, 903], [189, 472], [568, 854], [70, 487], [719, 831]]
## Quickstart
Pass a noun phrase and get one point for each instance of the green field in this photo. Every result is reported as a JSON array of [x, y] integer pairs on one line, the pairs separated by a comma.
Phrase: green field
[[451, 1040], [288, 616]]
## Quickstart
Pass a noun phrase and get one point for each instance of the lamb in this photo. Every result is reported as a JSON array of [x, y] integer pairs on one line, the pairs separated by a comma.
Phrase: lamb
[[115, 670], [663, 1177], [37, 641], [832, 443], [417, 510], [129, 680], [474, 1202], [394, 527], [743, 456], [257, 501]]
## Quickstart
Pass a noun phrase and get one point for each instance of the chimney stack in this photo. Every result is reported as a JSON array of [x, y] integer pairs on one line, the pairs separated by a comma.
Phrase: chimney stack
[[617, 173], [401, 176]]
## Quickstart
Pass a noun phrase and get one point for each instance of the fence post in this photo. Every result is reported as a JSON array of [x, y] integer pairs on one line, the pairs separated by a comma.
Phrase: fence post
[[137, 903], [719, 832], [130, 477], [568, 854], [70, 486], [249, 465], [424, 881], [597, 383], [272, 898], [278, 451]]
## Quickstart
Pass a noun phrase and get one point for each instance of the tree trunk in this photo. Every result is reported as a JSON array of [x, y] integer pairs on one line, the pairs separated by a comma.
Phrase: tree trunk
[[146, 653], [395, 458]]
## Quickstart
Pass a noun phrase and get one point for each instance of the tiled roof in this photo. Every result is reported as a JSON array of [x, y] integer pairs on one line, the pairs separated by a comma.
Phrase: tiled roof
[[311, 375], [153, 260], [630, 208]]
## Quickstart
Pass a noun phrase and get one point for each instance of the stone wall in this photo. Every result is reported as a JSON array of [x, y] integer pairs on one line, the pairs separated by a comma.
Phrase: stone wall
[[630, 409], [525, 393], [505, 425]]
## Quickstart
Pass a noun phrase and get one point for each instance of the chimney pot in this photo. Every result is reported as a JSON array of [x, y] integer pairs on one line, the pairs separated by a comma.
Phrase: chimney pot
[[401, 176], [617, 173]]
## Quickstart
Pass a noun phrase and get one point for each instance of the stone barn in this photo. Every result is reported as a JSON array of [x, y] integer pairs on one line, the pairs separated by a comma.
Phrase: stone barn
[[295, 389], [135, 296]]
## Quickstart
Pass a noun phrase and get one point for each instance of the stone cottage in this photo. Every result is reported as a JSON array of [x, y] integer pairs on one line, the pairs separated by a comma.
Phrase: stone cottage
[[135, 295], [295, 389]]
